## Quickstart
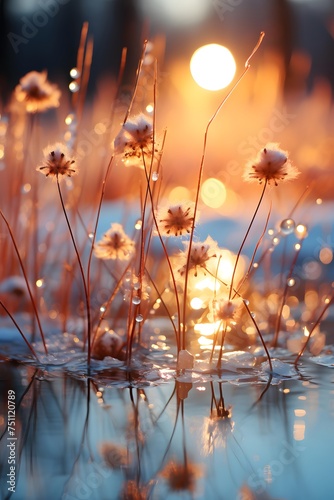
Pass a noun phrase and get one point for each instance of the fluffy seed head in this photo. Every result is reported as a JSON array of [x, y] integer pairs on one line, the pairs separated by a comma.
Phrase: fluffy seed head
[[181, 477], [107, 343], [37, 93], [114, 455], [225, 309], [200, 255], [132, 490], [270, 165], [57, 162], [176, 220], [135, 141], [115, 244]]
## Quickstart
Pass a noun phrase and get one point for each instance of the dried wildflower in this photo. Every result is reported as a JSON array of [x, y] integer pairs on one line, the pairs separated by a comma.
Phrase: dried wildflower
[[57, 162], [135, 289], [115, 244], [107, 343], [200, 255], [216, 431], [37, 93], [14, 285], [134, 491], [271, 164], [181, 477], [14, 293], [225, 309], [114, 456], [176, 220], [135, 141]]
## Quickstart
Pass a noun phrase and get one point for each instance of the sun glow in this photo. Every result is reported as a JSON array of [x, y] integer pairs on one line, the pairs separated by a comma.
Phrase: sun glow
[[212, 67]]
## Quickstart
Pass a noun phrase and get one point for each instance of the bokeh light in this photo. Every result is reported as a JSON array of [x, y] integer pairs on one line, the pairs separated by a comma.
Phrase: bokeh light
[[212, 66], [213, 193], [179, 193], [176, 13]]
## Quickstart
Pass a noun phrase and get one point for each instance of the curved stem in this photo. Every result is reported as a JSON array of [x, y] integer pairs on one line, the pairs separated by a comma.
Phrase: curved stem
[[26, 281], [96, 224], [253, 256], [81, 272], [19, 330], [245, 238], [247, 66], [285, 292], [260, 335], [312, 330]]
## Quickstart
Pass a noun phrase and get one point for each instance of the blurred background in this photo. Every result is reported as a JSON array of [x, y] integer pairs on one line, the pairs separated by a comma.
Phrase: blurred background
[[286, 97], [300, 30]]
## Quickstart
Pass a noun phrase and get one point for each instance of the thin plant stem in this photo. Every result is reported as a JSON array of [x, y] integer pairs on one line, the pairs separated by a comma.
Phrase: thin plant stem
[[245, 238], [96, 224], [168, 263], [166, 309], [264, 254], [87, 301], [107, 304], [219, 363], [19, 330], [260, 335], [254, 253], [143, 242], [200, 175], [33, 303], [285, 292], [140, 64], [301, 352]]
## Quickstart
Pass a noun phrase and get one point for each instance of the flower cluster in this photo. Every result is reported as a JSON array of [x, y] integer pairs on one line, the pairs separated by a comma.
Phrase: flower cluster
[[135, 141], [201, 253], [36, 93], [115, 244], [176, 220], [271, 164], [114, 456], [225, 309], [181, 477], [57, 162]]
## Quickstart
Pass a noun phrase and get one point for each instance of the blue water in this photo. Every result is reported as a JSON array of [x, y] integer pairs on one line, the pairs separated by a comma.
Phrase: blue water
[[280, 446]]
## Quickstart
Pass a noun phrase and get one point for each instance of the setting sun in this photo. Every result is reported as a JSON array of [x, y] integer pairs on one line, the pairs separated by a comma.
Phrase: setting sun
[[212, 67]]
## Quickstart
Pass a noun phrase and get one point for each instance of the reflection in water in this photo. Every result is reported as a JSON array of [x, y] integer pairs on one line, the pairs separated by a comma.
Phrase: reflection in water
[[79, 440]]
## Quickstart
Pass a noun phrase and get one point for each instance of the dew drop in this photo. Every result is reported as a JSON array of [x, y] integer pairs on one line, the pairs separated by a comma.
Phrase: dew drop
[[291, 281], [70, 118], [139, 318], [26, 188], [301, 231], [155, 176], [74, 87], [287, 226], [75, 73], [136, 300], [276, 241], [136, 286]]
